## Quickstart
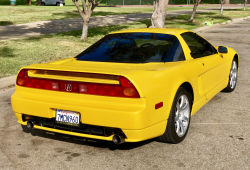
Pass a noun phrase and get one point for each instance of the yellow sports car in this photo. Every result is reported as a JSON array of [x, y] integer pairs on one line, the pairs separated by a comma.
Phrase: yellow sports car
[[129, 86]]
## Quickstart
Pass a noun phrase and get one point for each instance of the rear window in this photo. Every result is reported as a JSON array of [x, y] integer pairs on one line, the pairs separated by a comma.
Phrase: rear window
[[134, 48]]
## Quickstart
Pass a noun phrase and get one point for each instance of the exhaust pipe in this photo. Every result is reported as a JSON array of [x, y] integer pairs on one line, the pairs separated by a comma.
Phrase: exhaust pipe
[[118, 139], [30, 124]]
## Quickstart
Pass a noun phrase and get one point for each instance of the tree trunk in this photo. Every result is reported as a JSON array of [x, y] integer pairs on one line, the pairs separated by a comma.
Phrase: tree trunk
[[221, 9], [222, 6], [85, 31], [245, 2], [159, 14], [194, 10], [29, 2], [85, 13]]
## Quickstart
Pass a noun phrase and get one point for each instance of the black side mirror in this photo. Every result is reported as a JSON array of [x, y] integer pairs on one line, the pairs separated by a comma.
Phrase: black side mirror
[[222, 49]]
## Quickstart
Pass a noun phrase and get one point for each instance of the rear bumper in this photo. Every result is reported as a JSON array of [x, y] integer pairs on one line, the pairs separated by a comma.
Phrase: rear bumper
[[129, 115], [132, 135]]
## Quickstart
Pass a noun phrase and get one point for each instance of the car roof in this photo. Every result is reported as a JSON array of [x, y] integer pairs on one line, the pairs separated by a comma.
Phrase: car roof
[[172, 31]]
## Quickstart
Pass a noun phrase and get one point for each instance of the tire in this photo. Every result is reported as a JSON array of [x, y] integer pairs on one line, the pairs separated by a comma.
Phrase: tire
[[43, 4], [232, 77], [178, 125], [58, 4]]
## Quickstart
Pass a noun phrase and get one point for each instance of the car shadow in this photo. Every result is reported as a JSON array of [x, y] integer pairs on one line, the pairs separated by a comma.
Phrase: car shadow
[[84, 141]]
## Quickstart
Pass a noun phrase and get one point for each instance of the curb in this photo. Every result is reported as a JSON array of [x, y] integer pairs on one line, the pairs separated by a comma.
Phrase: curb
[[10, 81], [7, 82], [197, 30]]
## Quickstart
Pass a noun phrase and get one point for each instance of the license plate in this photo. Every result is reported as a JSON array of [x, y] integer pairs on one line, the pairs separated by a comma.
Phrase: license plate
[[67, 117]]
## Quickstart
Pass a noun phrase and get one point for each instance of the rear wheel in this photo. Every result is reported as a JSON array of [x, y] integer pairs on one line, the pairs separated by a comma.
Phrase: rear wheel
[[179, 118], [232, 77], [43, 4], [58, 4]]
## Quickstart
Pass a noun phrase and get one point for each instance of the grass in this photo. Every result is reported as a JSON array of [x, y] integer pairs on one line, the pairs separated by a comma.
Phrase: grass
[[15, 54], [10, 15]]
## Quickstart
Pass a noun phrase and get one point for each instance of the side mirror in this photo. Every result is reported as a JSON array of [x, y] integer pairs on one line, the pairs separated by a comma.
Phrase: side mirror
[[222, 49]]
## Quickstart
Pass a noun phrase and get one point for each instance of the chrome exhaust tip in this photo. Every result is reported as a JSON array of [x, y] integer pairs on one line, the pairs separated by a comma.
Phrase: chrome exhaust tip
[[118, 139], [30, 124]]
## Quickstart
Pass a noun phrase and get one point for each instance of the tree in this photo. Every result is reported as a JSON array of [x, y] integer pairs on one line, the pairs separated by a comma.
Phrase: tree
[[245, 2], [85, 14], [222, 4], [194, 10], [159, 14]]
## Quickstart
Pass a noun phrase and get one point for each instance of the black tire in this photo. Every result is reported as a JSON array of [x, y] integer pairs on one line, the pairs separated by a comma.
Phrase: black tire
[[232, 75], [58, 4], [170, 135], [43, 4]]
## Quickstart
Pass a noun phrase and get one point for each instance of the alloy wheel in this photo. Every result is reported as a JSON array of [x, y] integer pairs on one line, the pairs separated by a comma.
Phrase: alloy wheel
[[233, 75], [182, 115]]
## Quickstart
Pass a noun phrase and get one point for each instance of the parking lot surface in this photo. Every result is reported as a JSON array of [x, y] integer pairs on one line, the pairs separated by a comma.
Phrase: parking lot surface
[[218, 137]]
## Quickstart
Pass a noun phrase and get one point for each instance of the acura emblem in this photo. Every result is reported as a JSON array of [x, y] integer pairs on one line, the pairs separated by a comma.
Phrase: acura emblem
[[68, 87]]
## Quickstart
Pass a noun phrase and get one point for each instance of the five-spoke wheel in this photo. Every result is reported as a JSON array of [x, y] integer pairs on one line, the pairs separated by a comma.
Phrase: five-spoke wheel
[[182, 113], [232, 77], [179, 118]]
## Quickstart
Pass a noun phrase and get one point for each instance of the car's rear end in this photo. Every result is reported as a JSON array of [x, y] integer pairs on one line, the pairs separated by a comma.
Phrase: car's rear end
[[100, 105]]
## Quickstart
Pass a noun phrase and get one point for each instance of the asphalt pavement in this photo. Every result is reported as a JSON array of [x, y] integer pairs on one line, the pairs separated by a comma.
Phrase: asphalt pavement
[[218, 137], [56, 26]]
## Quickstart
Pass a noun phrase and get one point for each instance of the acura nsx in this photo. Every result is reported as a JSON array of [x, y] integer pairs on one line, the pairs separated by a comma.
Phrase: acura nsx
[[129, 86]]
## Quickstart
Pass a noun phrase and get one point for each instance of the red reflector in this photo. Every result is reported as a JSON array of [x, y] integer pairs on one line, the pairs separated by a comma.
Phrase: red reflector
[[158, 105]]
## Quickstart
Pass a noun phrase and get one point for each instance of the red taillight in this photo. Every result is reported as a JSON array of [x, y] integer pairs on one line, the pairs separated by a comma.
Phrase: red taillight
[[128, 88], [24, 80], [21, 78], [125, 89], [125, 82], [22, 73]]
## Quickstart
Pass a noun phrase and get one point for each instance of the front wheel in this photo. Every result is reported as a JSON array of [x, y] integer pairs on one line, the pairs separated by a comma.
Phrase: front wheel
[[179, 118], [232, 77], [43, 4]]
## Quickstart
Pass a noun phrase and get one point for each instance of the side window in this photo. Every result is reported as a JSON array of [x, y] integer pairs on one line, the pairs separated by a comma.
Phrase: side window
[[173, 51], [199, 47]]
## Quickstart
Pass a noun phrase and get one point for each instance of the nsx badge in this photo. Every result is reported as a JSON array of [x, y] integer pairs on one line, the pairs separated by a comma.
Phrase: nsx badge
[[68, 87]]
